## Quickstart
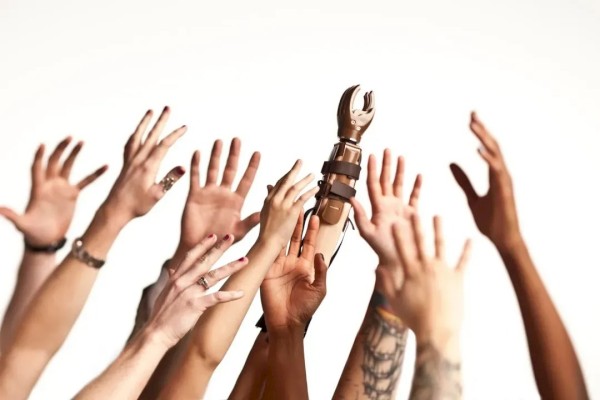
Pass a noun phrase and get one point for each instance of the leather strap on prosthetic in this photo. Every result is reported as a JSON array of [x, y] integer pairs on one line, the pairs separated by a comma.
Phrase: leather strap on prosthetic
[[340, 174]]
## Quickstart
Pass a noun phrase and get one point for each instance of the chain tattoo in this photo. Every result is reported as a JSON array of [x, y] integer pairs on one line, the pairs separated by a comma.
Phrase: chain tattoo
[[435, 376], [384, 345]]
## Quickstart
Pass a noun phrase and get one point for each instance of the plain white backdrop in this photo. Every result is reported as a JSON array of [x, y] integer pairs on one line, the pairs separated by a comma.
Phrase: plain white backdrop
[[272, 74]]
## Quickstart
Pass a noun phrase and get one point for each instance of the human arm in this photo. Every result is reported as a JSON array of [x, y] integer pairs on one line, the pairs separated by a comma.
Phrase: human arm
[[210, 340], [177, 309], [430, 302], [292, 291], [44, 224], [251, 381], [556, 369], [366, 374], [52, 313]]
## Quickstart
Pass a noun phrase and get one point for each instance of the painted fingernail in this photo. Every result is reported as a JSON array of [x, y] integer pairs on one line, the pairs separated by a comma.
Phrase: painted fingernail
[[322, 257], [242, 259], [212, 235], [179, 170], [226, 237]]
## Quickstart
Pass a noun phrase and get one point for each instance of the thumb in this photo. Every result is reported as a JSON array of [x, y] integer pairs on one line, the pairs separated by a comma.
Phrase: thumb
[[320, 281], [247, 224], [464, 182], [11, 216]]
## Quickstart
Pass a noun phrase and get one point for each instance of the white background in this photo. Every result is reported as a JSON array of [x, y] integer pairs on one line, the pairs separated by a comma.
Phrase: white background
[[272, 74]]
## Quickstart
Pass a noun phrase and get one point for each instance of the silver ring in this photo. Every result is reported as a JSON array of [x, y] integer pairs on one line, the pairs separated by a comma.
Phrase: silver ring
[[167, 183], [203, 282]]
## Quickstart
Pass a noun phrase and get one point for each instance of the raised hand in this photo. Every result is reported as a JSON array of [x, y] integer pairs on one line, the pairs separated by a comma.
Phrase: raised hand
[[387, 208], [215, 207], [495, 213], [282, 205], [136, 191], [430, 299], [295, 285], [184, 298], [52, 201]]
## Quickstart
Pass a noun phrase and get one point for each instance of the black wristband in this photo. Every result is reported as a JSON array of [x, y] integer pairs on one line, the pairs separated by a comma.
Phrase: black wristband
[[51, 248]]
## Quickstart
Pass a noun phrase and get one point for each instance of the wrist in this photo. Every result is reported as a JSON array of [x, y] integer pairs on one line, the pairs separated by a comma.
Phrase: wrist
[[286, 332], [153, 336], [113, 213], [446, 340], [510, 243]]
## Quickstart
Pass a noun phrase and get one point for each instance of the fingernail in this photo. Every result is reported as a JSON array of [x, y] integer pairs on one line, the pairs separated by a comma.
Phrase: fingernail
[[179, 170], [322, 257], [212, 235], [242, 259], [226, 237]]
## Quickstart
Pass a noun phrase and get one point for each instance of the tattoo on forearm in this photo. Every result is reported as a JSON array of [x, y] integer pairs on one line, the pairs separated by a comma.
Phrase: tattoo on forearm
[[436, 377], [385, 341]]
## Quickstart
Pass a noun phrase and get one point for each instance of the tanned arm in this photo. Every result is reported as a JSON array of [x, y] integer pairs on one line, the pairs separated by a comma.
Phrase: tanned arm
[[555, 366], [52, 313], [44, 225]]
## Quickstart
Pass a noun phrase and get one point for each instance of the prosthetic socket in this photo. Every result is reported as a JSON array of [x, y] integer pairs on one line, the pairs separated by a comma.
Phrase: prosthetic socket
[[342, 170]]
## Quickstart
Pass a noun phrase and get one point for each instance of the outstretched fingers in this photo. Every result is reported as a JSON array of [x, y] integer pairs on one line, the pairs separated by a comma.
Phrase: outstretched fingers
[[92, 177], [310, 239], [65, 171], [159, 189], [214, 164], [53, 168], [248, 177], [296, 239], [232, 163], [463, 181]]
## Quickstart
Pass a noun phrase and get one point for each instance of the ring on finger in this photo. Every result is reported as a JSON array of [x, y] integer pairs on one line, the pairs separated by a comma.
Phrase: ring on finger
[[203, 282]]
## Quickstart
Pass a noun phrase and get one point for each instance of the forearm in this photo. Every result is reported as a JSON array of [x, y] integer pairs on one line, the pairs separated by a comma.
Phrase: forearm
[[286, 372], [52, 313], [556, 368], [375, 362], [34, 270], [250, 382], [328, 236], [127, 375], [215, 330], [437, 368]]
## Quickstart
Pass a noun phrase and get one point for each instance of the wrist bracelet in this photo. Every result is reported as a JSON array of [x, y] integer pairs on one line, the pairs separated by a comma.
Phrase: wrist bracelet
[[82, 255], [51, 248]]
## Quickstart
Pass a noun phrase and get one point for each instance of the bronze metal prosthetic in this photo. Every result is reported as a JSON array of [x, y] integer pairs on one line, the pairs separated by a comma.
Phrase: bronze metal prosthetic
[[340, 174], [343, 168]]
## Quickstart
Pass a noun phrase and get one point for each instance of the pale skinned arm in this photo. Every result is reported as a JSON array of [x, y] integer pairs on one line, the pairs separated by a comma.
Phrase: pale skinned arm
[[557, 371], [45, 222], [177, 309], [213, 334], [55, 309], [381, 326]]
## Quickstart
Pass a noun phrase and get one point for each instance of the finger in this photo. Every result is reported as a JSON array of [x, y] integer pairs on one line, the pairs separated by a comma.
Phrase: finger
[[306, 196], [464, 256], [154, 134], [371, 108], [213, 165], [384, 178], [440, 248], [419, 237], [320, 281], [365, 226], [206, 260], [212, 299], [159, 189], [296, 239], [160, 151], [367, 98], [399, 177], [373, 185], [248, 178], [310, 239], [213, 276], [246, 225], [298, 187], [283, 184], [483, 135], [464, 182], [11, 216], [493, 162], [195, 171], [54, 160], [353, 94], [402, 244], [194, 254], [65, 172], [37, 168], [413, 200], [134, 142], [92, 177], [344, 104], [232, 163]]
